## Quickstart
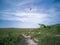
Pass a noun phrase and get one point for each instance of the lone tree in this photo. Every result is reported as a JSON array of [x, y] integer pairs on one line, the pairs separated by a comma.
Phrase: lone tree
[[42, 26]]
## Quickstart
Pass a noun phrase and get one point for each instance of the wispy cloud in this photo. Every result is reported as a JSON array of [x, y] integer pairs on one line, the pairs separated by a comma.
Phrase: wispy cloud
[[25, 17], [43, 11]]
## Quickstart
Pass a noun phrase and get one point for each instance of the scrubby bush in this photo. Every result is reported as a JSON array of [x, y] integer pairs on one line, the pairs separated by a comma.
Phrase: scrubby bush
[[49, 35]]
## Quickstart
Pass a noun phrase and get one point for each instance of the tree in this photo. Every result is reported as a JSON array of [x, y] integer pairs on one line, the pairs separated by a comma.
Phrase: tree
[[42, 26]]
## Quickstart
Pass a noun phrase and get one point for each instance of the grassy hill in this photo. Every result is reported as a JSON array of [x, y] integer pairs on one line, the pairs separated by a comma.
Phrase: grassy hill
[[47, 35]]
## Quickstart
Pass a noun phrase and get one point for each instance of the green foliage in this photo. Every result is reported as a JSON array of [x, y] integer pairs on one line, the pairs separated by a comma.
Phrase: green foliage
[[47, 35], [12, 36]]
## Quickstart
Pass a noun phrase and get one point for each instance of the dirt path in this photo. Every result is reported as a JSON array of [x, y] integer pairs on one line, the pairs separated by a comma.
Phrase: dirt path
[[29, 40]]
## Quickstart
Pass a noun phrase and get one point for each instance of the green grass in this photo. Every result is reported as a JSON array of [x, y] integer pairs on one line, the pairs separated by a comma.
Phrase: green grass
[[45, 35], [11, 36], [48, 35]]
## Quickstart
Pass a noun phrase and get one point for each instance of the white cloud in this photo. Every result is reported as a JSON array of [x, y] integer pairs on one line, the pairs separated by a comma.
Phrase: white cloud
[[23, 3], [26, 17], [30, 16]]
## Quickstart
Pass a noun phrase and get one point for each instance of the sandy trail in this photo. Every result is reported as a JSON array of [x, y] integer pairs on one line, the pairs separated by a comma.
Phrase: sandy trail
[[29, 40]]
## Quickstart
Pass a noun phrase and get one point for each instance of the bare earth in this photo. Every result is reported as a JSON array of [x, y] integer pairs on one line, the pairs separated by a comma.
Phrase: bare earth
[[29, 40]]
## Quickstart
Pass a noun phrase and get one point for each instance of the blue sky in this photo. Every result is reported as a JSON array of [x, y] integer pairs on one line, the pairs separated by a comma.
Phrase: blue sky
[[16, 13]]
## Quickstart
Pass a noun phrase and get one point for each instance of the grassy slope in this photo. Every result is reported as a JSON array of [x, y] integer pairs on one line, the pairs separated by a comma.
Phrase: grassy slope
[[45, 35], [49, 35], [11, 36]]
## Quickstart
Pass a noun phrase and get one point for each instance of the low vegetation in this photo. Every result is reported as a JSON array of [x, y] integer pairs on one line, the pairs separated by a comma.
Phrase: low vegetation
[[47, 35]]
